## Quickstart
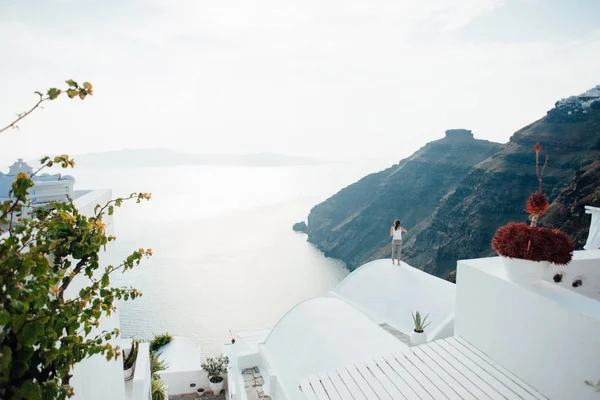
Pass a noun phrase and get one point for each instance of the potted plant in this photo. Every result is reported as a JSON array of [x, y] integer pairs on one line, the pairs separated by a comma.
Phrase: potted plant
[[418, 336], [215, 367], [160, 340], [527, 250], [158, 389], [129, 360], [200, 392]]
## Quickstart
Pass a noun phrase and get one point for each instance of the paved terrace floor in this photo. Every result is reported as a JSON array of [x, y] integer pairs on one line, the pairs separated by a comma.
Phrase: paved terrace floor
[[444, 369]]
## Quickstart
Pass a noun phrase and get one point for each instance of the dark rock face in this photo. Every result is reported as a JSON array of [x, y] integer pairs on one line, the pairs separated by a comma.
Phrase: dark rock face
[[300, 227], [452, 195], [567, 212], [354, 224], [459, 134]]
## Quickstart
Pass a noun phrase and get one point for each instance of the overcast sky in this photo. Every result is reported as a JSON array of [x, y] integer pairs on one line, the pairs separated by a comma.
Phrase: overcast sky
[[333, 79]]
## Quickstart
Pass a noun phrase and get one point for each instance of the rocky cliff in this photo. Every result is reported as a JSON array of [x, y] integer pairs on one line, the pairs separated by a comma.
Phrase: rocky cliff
[[454, 193], [353, 225], [567, 211]]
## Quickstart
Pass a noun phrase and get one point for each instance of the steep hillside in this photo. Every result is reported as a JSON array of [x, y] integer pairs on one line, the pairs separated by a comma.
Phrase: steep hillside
[[494, 192], [354, 224], [567, 212], [453, 195]]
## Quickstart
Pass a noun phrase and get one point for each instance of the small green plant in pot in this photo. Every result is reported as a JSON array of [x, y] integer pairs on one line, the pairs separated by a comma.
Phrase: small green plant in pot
[[418, 336], [130, 359], [158, 389], [216, 367]]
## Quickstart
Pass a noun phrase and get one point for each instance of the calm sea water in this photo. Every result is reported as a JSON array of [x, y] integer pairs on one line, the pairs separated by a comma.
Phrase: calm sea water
[[225, 255]]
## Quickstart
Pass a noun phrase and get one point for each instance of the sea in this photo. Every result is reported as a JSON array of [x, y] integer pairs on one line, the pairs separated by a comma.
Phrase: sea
[[225, 255]]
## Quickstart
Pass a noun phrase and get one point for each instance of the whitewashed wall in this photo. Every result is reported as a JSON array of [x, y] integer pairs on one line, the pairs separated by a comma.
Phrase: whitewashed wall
[[546, 335], [95, 378], [179, 382], [584, 267], [184, 360], [142, 378]]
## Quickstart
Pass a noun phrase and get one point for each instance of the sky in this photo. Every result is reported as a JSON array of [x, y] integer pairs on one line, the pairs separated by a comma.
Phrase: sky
[[331, 79]]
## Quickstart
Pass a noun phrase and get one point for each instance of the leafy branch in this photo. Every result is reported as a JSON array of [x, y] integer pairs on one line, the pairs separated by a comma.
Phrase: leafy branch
[[45, 330], [74, 90]]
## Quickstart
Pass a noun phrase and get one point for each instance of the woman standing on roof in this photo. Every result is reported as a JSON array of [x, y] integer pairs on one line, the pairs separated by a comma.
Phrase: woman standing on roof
[[396, 234]]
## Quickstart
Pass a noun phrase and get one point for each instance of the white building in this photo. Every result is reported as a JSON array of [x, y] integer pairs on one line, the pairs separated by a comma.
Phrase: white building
[[47, 187], [490, 338], [94, 378]]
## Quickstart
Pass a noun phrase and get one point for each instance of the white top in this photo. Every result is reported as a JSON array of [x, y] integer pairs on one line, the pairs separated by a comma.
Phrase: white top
[[398, 234]]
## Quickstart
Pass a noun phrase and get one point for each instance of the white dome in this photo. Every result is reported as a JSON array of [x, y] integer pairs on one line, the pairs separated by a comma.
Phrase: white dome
[[388, 293], [319, 335]]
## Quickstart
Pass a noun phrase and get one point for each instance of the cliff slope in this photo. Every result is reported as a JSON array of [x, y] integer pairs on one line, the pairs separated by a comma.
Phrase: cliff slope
[[353, 225], [454, 193]]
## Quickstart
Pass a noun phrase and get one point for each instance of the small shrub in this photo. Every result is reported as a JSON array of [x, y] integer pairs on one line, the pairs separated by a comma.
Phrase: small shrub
[[156, 364], [158, 389], [518, 240], [452, 277], [215, 367], [160, 340]]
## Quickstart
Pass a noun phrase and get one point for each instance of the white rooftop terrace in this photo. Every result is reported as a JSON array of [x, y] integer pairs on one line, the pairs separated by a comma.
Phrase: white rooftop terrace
[[319, 334], [181, 354], [495, 338]]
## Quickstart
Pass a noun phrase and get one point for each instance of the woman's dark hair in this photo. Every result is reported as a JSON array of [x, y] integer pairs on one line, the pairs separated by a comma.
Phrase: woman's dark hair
[[396, 225]]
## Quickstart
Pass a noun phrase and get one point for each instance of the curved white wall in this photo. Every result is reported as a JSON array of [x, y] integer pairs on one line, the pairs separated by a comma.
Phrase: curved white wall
[[95, 378], [388, 293], [319, 335]]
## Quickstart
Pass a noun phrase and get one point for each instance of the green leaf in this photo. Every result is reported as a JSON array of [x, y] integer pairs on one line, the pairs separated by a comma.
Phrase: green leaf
[[53, 93], [17, 322], [71, 93], [31, 391], [31, 332], [4, 317], [72, 83], [105, 280], [5, 359]]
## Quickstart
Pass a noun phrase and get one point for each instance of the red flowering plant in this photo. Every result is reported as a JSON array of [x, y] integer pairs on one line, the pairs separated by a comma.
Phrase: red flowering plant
[[519, 240]]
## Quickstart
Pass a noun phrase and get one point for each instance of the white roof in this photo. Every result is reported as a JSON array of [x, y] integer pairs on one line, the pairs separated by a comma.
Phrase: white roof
[[388, 293], [321, 334], [445, 369], [182, 354]]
